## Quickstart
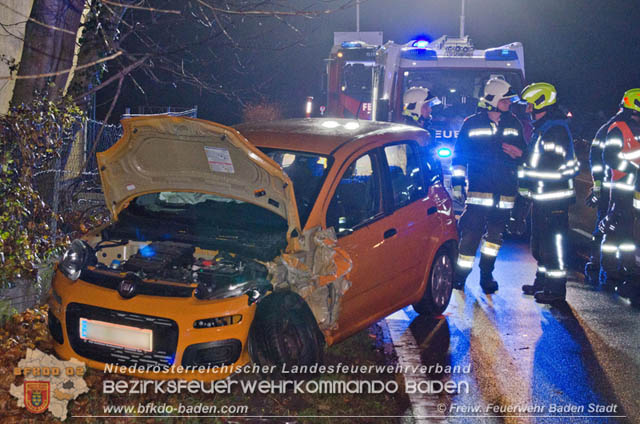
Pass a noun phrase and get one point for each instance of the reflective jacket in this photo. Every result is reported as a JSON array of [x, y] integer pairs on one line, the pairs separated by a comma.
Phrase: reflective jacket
[[551, 166], [597, 148], [491, 173], [622, 155]]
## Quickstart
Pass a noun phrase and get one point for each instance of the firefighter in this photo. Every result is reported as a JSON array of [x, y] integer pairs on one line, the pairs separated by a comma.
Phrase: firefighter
[[598, 197], [418, 102], [621, 155], [488, 151], [547, 178]]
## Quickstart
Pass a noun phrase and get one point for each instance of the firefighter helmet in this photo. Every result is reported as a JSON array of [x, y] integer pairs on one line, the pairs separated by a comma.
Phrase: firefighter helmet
[[413, 100], [495, 90], [540, 95], [631, 99]]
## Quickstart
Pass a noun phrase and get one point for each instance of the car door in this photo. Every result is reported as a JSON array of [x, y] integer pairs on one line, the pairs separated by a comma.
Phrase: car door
[[414, 220], [356, 211]]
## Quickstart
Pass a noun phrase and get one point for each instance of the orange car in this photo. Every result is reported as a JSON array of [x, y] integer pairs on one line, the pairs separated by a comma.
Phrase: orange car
[[225, 249]]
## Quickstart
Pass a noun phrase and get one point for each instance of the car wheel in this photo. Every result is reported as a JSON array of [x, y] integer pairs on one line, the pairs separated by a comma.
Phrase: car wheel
[[439, 287], [284, 331]]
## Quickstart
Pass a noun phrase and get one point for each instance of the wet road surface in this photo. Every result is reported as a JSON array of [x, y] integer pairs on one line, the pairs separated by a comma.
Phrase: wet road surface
[[578, 363]]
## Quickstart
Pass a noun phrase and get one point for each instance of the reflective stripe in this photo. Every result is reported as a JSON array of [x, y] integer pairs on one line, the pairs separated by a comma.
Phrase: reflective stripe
[[488, 248], [459, 171], [542, 269], [596, 168], [465, 261], [544, 175], [535, 158], [609, 248], [553, 195], [480, 198], [559, 250], [482, 131], [557, 274], [619, 185], [507, 202], [623, 165], [548, 146], [627, 247], [633, 154], [636, 203], [510, 131], [479, 201], [613, 142]]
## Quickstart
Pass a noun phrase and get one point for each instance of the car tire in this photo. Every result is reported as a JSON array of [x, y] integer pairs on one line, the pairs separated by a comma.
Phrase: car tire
[[284, 331], [437, 294]]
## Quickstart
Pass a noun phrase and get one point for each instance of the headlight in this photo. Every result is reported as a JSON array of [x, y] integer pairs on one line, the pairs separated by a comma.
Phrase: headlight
[[79, 255]]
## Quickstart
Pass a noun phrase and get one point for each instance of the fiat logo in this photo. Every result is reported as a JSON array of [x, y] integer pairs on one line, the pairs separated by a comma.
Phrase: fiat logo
[[127, 289]]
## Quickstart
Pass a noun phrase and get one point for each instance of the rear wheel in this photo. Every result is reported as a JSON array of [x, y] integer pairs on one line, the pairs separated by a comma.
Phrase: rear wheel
[[439, 287], [284, 330]]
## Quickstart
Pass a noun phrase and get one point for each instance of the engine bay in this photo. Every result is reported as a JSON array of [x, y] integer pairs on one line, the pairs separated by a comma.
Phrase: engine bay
[[215, 274]]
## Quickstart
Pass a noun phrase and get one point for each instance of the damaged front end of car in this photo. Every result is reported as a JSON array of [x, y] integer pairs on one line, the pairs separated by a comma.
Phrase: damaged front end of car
[[205, 230]]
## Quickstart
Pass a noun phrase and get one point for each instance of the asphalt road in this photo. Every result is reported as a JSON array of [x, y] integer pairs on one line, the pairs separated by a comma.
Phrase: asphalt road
[[564, 362]]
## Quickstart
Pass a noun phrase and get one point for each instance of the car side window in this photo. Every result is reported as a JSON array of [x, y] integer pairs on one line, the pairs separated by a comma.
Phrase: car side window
[[407, 180], [357, 196]]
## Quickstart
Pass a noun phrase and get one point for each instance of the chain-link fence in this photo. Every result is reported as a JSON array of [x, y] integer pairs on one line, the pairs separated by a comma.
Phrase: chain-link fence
[[71, 186]]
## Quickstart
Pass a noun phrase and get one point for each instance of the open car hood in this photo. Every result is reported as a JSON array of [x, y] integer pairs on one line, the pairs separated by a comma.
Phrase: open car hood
[[167, 153]]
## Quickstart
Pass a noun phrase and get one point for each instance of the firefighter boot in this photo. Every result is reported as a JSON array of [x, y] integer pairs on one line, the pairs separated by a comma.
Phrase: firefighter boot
[[538, 285], [555, 292], [487, 283], [458, 279]]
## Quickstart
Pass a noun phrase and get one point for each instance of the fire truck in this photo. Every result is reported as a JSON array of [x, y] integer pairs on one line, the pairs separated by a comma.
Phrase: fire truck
[[349, 74], [452, 69]]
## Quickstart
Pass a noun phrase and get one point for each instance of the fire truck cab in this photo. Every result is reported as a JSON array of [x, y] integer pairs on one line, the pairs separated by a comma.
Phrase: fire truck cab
[[452, 69]]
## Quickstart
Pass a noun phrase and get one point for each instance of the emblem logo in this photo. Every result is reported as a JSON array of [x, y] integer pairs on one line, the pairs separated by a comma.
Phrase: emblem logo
[[36, 396], [127, 289]]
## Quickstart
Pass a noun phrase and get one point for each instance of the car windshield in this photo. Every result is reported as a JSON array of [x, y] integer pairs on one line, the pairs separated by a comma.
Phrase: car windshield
[[459, 89], [307, 172]]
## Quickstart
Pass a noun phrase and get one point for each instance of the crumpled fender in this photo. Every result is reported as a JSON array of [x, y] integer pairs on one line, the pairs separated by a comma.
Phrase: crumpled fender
[[316, 269]]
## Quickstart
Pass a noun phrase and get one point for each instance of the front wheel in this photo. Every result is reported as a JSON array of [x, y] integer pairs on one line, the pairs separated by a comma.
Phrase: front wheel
[[284, 331], [439, 287]]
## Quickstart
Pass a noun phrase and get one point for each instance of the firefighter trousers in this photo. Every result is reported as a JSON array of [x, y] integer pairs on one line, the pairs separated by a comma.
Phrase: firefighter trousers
[[618, 247], [549, 228], [480, 222], [597, 234]]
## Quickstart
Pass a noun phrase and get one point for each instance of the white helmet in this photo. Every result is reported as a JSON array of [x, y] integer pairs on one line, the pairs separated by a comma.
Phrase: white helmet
[[413, 100], [497, 89]]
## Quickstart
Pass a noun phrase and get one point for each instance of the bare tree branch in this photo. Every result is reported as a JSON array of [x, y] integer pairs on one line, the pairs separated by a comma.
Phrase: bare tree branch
[[149, 9], [65, 71]]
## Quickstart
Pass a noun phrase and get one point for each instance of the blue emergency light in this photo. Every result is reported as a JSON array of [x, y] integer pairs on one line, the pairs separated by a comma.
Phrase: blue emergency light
[[444, 152], [351, 44], [421, 44], [500, 54], [419, 54]]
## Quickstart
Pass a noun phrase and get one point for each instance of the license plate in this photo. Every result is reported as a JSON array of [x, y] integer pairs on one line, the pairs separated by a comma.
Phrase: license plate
[[116, 334]]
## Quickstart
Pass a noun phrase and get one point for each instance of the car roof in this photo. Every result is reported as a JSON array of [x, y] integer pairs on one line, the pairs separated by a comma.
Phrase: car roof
[[320, 135]]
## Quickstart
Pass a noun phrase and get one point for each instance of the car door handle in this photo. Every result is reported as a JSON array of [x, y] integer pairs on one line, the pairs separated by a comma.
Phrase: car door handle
[[432, 210], [390, 233]]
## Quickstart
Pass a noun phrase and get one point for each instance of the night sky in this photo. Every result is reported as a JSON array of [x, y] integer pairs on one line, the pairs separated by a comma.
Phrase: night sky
[[588, 49]]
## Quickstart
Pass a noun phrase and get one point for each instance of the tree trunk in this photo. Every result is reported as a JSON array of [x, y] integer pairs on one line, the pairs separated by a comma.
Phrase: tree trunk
[[46, 47]]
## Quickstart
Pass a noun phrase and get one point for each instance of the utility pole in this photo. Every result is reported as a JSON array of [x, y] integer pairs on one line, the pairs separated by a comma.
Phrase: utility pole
[[358, 16], [461, 20]]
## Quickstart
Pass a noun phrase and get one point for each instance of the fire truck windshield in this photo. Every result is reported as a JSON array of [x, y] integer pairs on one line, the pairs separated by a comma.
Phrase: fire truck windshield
[[459, 89], [356, 80]]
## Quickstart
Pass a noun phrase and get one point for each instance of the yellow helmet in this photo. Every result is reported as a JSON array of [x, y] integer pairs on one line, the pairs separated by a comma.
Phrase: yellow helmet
[[540, 94], [631, 99]]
